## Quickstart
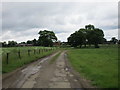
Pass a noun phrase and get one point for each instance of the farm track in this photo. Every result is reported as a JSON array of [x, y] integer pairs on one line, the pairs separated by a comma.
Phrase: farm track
[[42, 74]]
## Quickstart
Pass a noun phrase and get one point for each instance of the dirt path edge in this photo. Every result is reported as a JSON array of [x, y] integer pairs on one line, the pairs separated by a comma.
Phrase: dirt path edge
[[84, 82], [7, 75]]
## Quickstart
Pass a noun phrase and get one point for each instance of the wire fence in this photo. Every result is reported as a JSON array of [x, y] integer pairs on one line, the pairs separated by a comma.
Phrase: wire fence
[[9, 57]]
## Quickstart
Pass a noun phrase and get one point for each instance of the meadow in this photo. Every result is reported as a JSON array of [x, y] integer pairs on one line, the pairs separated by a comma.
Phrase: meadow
[[19, 56], [100, 65]]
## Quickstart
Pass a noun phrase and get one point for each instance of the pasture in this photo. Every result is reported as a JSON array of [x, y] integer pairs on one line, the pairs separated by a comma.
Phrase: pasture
[[98, 65], [14, 57]]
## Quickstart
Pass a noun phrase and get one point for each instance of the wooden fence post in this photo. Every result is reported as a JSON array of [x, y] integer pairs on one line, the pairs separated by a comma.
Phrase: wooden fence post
[[39, 51], [7, 59], [29, 52], [19, 54], [43, 50], [34, 51]]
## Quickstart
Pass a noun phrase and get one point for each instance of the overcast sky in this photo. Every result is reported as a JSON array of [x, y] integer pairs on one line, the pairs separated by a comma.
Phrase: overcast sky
[[21, 21]]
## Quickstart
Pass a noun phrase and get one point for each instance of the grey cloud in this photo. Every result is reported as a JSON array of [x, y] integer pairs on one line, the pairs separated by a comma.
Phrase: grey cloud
[[59, 17]]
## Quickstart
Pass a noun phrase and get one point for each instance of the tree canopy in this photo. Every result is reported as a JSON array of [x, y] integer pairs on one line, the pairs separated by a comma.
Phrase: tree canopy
[[12, 43], [46, 38], [88, 35], [76, 39]]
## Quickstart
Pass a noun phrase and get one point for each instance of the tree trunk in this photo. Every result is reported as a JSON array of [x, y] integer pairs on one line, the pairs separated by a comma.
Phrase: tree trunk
[[85, 45], [80, 46], [96, 45]]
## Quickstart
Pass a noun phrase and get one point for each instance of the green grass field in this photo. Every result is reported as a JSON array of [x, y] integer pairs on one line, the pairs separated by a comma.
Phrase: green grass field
[[14, 61], [98, 65]]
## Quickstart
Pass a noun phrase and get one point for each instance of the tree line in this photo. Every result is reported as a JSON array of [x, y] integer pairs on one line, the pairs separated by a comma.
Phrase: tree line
[[84, 36], [46, 38]]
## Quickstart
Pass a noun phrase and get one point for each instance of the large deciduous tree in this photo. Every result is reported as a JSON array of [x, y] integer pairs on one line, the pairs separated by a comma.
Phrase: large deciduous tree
[[76, 39], [89, 34], [46, 38]]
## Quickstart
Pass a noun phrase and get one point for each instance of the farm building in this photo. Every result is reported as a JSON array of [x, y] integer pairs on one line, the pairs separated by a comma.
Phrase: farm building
[[22, 45]]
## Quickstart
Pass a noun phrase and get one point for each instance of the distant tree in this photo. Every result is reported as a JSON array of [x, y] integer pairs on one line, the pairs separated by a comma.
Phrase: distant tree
[[12, 43], [76, 39], [113, 40], [22, 42], [35, 42], [46, 38], [29, 42], [3, 44]]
